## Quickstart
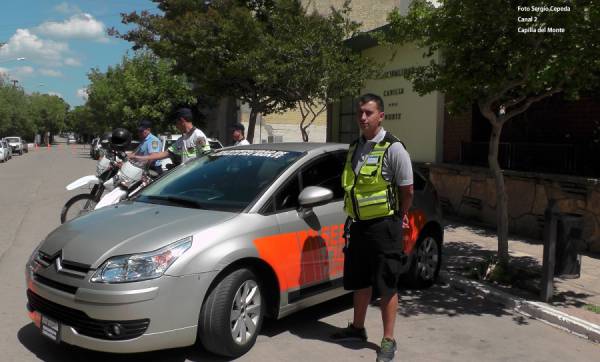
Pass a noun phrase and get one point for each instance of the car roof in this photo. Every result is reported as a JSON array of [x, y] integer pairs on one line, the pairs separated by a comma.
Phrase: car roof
[[308, 147]]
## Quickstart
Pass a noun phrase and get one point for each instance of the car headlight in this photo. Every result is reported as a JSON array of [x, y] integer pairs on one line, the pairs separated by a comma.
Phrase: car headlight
[[137, 267]]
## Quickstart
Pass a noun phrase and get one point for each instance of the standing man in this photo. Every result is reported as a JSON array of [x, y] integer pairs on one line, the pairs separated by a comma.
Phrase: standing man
[[149, 144], [192, 141], [377, 180], [238, 135]]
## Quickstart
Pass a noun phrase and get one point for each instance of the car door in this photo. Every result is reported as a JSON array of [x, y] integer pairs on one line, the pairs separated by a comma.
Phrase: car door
[[315, 242]]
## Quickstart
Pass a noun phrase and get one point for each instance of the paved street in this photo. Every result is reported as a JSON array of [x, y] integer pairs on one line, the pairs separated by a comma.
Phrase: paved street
[[439, 324]]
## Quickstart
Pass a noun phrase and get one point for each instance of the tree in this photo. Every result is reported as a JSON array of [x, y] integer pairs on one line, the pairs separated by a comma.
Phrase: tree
[[14, 117], [48, 112], [81, 120], [262, 52], [488, 61], [140, 87], [332, 71]]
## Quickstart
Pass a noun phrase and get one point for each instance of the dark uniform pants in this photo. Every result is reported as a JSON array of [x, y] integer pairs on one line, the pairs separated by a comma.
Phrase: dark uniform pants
[[374, 256]]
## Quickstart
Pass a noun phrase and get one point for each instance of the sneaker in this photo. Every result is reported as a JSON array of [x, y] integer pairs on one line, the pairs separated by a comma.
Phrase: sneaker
[[350, 333], [387, 350]]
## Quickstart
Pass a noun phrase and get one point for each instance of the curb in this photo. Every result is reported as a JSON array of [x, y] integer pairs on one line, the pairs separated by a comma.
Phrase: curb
[[538, 310]]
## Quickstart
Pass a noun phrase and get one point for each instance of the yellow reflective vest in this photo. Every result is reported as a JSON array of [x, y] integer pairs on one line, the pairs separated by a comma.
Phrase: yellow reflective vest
[[368, 195]]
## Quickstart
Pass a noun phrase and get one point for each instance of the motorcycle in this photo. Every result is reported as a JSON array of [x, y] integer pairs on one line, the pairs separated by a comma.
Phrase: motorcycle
[[106, 169], [131, 178]]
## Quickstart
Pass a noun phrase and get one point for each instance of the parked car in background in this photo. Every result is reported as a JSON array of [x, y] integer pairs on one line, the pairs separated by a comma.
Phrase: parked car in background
[[209, 250], [4, 152], [15, 143], [71, 139], [8, 149]]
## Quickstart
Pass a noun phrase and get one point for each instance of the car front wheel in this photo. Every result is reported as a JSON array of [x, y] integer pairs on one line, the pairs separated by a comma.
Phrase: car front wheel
[[232, 315]]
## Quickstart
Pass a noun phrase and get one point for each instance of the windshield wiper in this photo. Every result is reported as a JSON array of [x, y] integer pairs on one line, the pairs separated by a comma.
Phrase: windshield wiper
[[178, 201]]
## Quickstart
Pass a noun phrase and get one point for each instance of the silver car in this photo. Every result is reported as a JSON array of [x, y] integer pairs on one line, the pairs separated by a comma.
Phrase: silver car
[[208, 251]]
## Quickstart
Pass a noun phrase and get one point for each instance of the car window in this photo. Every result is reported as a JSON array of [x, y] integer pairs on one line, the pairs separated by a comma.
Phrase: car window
[[326, 172], [419, 181], [228, 180]]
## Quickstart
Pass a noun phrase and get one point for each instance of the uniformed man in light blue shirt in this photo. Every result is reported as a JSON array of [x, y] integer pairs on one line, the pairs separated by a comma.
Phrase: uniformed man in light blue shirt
[[149, 144]]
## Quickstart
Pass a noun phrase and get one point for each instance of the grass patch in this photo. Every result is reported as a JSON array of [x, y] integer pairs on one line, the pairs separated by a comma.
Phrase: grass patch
[[490, 270], [593, 308]]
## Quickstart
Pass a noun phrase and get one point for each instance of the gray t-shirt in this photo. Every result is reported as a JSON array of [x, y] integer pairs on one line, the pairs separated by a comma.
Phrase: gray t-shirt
[[395, 162]]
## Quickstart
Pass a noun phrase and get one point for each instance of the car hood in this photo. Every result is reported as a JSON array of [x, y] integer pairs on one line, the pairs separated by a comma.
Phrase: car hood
[[127, 228]]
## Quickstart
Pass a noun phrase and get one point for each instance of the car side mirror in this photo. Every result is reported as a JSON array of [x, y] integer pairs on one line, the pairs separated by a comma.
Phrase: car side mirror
[[313, 196]]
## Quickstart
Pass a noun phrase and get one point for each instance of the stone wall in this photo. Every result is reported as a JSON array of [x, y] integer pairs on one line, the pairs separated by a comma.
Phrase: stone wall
[[470, 192]]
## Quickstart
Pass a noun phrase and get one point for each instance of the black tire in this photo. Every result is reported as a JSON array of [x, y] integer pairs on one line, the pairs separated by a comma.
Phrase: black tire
[[426, 262], [76, 206], [216, 328]]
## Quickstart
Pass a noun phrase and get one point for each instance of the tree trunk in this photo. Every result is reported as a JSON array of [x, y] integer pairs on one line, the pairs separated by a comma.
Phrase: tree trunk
[[501, 198], [251, 124], [304, 133]]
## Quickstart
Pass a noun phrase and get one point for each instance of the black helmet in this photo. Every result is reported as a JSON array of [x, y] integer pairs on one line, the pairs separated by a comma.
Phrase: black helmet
[[120, 138], [105, 139]]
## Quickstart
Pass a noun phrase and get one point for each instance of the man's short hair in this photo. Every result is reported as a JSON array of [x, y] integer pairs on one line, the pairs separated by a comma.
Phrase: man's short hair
[[184, 113], [144, 124], [370, 97], [238, 127]]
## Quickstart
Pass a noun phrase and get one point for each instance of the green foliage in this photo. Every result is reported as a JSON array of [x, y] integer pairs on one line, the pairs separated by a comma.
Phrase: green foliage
[[477, 55], [25, 115], [140, 87], [485, 59], [593, 308], [268, 54]]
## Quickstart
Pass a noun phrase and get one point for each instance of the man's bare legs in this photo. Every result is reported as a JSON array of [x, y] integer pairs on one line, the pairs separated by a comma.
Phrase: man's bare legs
[[388, 305], [361, 298]]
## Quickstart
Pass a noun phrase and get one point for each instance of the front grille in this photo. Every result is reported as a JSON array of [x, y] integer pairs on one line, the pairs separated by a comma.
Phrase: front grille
[[54, 284], [82, 268], [83, 324]]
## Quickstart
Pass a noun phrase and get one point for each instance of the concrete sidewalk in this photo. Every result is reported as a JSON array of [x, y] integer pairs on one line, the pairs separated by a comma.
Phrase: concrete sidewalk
[[465, 245]]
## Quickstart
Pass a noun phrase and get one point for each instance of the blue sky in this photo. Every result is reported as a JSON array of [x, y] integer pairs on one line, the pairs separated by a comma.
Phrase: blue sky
[[61, 41]]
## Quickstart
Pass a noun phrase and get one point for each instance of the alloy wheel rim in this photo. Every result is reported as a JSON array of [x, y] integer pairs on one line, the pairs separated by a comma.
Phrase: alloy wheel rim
[[245, 312], [428, 258]]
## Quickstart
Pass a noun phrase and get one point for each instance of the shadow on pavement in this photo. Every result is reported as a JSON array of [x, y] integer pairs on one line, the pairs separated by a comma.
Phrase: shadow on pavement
[[306, 324], [439, 300], [443, 300]]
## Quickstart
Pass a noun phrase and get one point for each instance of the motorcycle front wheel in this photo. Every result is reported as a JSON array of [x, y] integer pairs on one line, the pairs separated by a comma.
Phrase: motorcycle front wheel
[[78, 205]]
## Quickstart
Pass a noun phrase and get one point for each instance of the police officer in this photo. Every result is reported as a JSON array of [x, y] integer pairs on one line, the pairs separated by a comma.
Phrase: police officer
[[377, 181], [149, 144], [192, 142]]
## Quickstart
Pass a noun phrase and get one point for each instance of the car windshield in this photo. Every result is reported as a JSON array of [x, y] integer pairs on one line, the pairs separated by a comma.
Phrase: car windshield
[[228, 180], [12, 139]]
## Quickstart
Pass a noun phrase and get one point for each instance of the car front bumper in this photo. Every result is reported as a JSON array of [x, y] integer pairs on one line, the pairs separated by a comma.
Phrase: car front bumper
[[171, 304]]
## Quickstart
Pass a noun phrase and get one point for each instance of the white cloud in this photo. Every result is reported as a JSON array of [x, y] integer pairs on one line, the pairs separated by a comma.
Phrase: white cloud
[[82, 93], [26, 44], [78, 26], [72, 62], [18, 73], [67, 8], [50, 73]]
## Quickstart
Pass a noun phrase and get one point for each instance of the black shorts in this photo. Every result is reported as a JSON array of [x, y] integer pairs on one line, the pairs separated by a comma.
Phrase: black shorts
[[374, 256]]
